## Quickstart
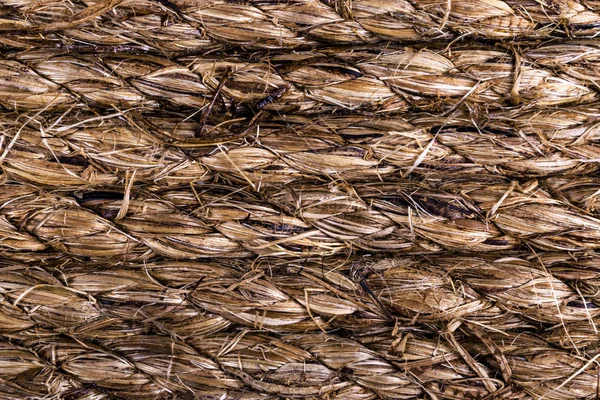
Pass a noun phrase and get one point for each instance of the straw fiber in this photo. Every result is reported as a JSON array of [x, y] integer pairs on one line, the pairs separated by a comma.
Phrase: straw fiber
[[299, 199]]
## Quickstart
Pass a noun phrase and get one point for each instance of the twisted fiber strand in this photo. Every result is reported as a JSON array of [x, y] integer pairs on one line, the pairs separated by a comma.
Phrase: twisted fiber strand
[[27, 376], [103, 342], [95, 150], [114, 294], [113, 290], [290, 297], [403, 273], [169, 143], [213, 339], [374, 215], [466, 212], [380, 80], [83, 150], [184, 25], [117, 286], [135, 375], [560, 240], [303, 219]]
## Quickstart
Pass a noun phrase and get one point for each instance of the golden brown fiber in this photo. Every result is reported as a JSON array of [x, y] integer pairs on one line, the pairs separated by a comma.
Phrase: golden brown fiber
[[303, 199]]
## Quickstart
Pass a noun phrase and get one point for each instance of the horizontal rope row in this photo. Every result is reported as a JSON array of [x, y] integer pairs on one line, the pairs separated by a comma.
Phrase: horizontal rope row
[[180, 26], [307, 199], [89, 324], [298, 220], [80, 149], [142, 194], [382, 80]]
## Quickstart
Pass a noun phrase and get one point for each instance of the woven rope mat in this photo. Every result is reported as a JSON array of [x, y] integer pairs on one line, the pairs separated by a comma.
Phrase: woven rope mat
[[299, 199]]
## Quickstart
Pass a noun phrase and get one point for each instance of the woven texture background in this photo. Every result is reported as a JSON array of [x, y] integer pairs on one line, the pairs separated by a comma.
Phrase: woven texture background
[[299, 199]]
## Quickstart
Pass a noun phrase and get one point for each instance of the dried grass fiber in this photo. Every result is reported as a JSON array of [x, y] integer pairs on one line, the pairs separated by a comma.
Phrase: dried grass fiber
[[299, 199]]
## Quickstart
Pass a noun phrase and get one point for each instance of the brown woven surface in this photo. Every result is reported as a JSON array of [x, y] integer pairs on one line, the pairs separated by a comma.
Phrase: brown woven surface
[[182, 25], [381, 80], [270, 200]]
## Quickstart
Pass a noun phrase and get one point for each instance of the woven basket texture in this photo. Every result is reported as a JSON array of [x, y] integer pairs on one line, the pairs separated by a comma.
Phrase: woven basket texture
[[299, 199]]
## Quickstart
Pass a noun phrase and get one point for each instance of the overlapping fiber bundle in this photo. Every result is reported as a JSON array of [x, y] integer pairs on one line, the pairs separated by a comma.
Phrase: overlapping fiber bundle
[[265, 200]]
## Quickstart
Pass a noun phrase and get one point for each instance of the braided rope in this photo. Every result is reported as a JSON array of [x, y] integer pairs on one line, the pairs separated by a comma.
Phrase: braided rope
[[179, 26], [265, 200], [382, 80], [90, 318]]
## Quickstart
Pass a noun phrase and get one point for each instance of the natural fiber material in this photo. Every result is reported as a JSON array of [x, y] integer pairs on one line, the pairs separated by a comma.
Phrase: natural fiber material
[[267, 200], [382, 80], [180, 26], [122, 311]]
